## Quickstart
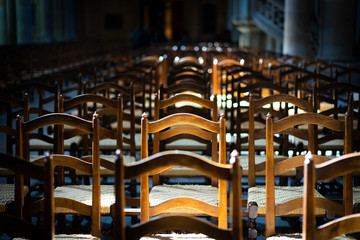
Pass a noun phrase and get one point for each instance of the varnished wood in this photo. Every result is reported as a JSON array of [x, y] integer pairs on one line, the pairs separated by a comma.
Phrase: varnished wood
[[191, 120], [333, 168], [180, 222], [273, 167], [16, 225]]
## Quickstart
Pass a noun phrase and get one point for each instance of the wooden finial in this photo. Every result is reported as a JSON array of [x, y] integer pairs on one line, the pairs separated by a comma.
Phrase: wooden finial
[[144, 115]]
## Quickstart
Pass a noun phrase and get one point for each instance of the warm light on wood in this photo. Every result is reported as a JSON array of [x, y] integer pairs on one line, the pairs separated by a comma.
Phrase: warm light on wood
[[168, 21]]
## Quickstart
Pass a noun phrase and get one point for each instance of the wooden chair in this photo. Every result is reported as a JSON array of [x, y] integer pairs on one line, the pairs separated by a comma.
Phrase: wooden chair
[[43, 100], [13, 107], [85, 199], [349, 223], [189, 104], [143, 90], [272, 200], [239, 110], [15, 224], [110, 111], [111, 137], [159, 194], [334, 99], [253, 161], [345, 221], [190, 224]]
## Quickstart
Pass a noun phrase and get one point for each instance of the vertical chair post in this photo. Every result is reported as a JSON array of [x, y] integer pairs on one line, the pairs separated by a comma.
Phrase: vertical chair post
[[96, 214], [222, 223], [144, 180], [309, 224], [270, 181]]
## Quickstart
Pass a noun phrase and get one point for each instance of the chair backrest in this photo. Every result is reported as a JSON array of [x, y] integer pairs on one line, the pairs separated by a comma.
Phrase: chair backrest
[[256, 106], [60, 160], [186, 86], [158, 162], [107, 109], [13, 107], [184, 125], [15, 224], [341, 166], [178, 124], [335, 96], [186, 103], [273, 168]]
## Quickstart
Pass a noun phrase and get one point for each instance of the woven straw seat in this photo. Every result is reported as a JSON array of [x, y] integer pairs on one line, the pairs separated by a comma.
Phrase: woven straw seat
[[244, 161], [299, 236], [111, 158], [183, 171], [176, 236], [356, 194], [37, 144], [69, 236], [6, 172], [283, 194], [74, 236], [82, 193], [7, 194], [205, 193]]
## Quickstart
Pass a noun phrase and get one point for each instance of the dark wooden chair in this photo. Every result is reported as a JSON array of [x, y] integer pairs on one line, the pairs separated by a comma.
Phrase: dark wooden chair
[[271, 200], [85, 199], [192, 226], [14, 223], [190, 124]]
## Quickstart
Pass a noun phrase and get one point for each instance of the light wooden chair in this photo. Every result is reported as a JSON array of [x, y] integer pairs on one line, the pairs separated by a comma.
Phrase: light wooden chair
[[271, 200], [159, 194], [193, 227]]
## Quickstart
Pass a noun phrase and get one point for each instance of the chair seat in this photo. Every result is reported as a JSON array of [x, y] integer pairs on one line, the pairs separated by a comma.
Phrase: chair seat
[[244, 162], [186, 144], [74, 236], [37, 144], [291, 236], [283, 194], [183, 171], [6, 172], [176, 236], [7, 194], [206, 193], [111, 158], [83, 194], [356, 194]]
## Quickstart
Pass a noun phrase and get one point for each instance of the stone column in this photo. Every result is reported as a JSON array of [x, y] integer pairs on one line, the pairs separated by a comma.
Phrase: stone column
[[24, 21], [43, 22], [69, 21], [298, 19], [58, 21], [337, 33]]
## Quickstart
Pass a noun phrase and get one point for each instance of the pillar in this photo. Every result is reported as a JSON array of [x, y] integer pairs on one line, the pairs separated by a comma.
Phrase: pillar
[[299, 17], [43, 22], [57, 20], [3, 23], [337, 35], [24, 21], [69, 21]]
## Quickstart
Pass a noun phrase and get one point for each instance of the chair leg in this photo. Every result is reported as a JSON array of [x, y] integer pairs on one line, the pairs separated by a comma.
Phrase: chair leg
[[253, 213]]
